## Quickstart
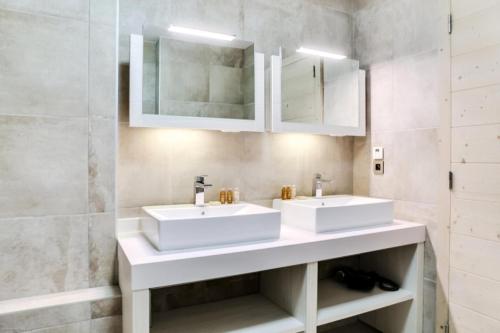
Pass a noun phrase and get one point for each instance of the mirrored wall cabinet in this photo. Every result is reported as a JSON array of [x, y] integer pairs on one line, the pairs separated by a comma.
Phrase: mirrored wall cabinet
[[187, 78], [317, 92]]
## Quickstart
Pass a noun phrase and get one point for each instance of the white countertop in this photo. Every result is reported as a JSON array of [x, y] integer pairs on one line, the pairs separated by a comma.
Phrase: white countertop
[[149, 268]]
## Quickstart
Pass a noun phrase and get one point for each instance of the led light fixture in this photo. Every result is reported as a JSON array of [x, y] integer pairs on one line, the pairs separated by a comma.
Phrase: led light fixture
[[200, 33], [321, 53]]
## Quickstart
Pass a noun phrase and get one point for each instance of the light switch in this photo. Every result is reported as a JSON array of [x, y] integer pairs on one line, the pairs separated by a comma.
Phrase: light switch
[[378, 153], [378, 167]]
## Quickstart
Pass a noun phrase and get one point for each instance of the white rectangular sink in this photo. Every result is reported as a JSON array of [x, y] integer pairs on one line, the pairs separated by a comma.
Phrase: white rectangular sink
[[336, 212], [178, 227]]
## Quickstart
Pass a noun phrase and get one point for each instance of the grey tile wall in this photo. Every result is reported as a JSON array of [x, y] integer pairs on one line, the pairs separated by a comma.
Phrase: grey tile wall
[[57, 157], [43, 255], [44, 65], [44, 165], [398, 43]]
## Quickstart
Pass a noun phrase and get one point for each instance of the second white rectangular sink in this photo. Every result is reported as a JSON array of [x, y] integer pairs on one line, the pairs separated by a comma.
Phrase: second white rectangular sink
[[178, 227], [336, 212]]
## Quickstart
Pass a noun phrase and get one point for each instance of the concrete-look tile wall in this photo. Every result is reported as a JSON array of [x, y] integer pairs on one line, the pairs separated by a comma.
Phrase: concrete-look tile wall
[[398, 42], [475, 157], [57, 134], [157, 166]]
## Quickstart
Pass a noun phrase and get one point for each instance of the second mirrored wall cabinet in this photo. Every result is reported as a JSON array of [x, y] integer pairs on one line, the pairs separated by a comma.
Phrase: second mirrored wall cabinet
[[317, 92]]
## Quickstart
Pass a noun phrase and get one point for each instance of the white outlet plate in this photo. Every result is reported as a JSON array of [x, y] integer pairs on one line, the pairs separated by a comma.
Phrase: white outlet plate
[[378, 153]]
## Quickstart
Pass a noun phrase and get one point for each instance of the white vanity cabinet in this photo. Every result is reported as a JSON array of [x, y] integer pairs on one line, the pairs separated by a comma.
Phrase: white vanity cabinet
[[296, 292]]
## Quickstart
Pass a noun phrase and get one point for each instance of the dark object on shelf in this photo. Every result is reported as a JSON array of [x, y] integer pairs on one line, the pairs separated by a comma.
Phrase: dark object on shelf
[[353, 279], [361, 280], [387, 285]]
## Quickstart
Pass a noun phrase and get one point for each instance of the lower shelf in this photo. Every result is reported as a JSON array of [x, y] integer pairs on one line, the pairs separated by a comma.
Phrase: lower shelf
[[336, 302], [249, 314]]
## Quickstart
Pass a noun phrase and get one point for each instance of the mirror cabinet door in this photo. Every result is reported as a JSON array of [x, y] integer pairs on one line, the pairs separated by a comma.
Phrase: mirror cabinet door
[[315, 94], [191, 83]]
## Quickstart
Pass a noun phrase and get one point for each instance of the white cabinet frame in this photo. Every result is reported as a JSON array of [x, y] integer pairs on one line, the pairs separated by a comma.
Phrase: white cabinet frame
[[138, 119], [278, 126], [289, 277]]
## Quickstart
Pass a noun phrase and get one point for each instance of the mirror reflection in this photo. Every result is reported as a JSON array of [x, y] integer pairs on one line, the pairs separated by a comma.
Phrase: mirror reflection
[[319, 90], [197, 77]]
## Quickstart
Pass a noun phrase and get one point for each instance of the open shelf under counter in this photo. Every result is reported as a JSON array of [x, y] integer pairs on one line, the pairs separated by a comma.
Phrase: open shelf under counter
[[292, 296], [336, 302], [248, 314]]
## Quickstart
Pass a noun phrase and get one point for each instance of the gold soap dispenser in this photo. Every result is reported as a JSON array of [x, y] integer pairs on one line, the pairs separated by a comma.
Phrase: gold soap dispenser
[[222, 196]]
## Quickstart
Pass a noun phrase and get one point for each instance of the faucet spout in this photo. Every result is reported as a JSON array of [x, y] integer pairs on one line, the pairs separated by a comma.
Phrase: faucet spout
[[317, 188], [199, 190]]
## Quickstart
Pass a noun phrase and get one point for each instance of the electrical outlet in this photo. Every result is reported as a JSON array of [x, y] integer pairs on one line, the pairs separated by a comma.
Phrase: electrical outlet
[[378, 153]]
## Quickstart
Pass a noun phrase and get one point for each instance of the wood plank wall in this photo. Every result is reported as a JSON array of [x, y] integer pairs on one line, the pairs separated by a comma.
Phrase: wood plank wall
[[475, 200]]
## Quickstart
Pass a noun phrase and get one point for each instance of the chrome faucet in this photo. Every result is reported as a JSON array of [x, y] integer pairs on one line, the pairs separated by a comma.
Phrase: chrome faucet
[[317, 188], [199, 190]]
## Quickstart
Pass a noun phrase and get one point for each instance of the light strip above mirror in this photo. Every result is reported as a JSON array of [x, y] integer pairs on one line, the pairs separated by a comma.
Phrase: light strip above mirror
[[200, 33], [321, 53]]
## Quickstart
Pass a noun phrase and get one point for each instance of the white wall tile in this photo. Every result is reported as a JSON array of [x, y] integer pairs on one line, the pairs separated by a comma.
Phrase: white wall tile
[[415, 26], [78, 9], [402, 152], [374, 32], [103, 265], [43, 166], [43, 255], [222, 16], [103, 12], [101, 165], [44, 63], [142, 168], [102, 71], [415, 89]]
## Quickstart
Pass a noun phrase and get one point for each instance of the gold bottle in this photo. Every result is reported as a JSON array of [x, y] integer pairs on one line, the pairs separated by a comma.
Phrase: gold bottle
[[222, 196], [288, 192], [229, 196], [283, 193]]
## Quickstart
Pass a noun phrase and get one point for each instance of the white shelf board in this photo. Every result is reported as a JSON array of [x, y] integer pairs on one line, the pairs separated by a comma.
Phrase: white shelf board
[[249, 314], [58, 299], [336, 302]]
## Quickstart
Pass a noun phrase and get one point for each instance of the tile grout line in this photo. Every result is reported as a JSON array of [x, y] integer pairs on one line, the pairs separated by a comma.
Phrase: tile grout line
[[89, 142]]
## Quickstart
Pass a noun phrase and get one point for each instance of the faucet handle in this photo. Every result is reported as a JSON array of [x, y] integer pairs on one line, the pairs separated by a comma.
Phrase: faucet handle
[[200, 179], [319, 178]]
